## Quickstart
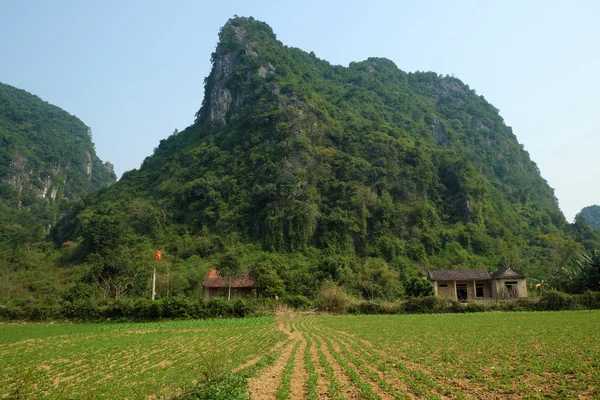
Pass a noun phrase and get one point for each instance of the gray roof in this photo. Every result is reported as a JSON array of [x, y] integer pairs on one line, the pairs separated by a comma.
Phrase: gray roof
[[459, 275], [508, 273]]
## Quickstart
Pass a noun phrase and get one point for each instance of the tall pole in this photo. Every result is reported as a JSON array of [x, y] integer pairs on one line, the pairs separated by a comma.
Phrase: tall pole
[[158, 258], [154, 284]]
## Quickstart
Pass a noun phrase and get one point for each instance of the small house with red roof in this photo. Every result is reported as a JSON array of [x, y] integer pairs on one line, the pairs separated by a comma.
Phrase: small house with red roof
[[214, 285]]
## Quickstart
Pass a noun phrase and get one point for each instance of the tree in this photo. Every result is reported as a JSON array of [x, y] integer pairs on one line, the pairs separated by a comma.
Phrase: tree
[[561, 251], [230, 268], [378, 279], [266, 280], [419, 287], [589, 271]]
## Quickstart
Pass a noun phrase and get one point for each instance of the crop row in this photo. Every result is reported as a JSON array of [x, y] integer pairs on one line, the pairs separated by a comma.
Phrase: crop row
[[127, 363]]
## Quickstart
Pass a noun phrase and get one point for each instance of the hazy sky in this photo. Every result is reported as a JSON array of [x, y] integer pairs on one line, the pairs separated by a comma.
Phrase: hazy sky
[[133, 70]]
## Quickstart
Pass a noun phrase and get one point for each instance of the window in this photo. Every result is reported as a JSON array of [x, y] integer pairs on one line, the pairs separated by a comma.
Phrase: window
[[512, 288], [461, 292], [444, 285], [479, 290]]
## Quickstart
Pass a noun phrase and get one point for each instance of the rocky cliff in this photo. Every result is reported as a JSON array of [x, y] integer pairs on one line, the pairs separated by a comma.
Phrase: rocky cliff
[[47, 158]]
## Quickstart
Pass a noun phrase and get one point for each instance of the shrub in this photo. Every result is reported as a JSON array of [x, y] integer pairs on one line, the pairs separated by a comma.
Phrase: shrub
[[419, 287], [371, 307], [177, 307], [589, 300], [453, 306], [153, 310], [10, 313], [42, 312], [422, 305], [79, 291], [556, 301], [240, 308], [474, 307], [218, 307], [120, 309], [297, 302], [81, 310], [198, 309], [333, 299]]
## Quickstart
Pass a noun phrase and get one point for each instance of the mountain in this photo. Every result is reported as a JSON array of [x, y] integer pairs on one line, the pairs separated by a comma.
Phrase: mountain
[[591, 215], [47, 160], [321, 168]]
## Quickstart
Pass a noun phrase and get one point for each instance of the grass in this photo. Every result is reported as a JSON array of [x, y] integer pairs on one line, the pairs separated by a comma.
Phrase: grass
[[501, 355], [548, 354], [124, 360]]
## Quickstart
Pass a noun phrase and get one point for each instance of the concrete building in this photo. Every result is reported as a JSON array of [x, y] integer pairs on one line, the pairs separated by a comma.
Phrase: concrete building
[[477, 284]]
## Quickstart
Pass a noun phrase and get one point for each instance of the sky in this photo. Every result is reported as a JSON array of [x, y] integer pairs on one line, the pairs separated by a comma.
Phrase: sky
[[133, 71]]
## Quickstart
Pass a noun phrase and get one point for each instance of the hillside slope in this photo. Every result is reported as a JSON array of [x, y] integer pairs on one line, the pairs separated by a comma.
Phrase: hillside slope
[[47, 159], [292, 155]]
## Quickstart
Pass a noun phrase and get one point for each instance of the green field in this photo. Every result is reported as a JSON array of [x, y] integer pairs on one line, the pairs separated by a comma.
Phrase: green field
[[483, 355]]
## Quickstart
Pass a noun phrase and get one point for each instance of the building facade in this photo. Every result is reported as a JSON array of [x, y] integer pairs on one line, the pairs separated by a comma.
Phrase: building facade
[[214, 285], [477, 284]]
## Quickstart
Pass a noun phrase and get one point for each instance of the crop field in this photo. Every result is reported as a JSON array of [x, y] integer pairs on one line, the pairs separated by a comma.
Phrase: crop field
[[480, 356], [124, 360]]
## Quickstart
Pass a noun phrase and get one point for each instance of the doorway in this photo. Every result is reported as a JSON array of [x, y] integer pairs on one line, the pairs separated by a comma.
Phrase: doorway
[[461, 292]]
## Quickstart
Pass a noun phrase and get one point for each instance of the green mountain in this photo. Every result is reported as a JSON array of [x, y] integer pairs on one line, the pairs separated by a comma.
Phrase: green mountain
[[47, 160], [320, 169], [591, 215]]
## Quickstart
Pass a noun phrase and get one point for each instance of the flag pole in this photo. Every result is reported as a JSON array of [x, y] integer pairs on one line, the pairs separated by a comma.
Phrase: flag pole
[[154, 284], [158, 258]]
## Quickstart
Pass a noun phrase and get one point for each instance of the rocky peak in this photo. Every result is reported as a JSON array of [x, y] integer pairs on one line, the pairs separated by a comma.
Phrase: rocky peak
[[238, 54]]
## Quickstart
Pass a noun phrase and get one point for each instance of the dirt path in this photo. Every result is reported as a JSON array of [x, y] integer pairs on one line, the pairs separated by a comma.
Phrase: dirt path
[[334, 365], [264, 387], [300, 374]]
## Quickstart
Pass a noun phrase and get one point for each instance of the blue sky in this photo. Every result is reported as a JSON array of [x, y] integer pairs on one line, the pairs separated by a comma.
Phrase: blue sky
[[133, 70]]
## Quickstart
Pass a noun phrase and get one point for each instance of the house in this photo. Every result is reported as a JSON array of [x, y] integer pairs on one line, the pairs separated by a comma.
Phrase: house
[[477, 284], [214, 285]]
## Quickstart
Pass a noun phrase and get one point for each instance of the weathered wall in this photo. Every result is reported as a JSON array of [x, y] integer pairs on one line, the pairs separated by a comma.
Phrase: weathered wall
[[500, 287]]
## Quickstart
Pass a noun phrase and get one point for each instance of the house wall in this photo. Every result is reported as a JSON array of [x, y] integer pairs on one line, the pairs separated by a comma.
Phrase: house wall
[[209, 293], [241, 292], [470, 289], [487, 289], [448, 292], [499, 285]]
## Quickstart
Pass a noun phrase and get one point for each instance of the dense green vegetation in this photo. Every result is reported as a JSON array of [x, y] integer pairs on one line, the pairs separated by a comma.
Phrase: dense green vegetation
[[47, 161], [309, 173], [591, 215]]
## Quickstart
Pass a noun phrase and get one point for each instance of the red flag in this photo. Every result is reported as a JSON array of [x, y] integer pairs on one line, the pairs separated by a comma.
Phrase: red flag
[[158, 255]]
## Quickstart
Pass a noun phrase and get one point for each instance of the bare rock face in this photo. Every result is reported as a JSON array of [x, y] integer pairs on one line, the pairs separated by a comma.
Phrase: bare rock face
[[220, 96], [225, 93], [109, 167]]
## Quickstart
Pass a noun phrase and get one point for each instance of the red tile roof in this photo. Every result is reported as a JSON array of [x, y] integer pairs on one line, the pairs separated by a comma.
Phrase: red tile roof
[[213, 279]]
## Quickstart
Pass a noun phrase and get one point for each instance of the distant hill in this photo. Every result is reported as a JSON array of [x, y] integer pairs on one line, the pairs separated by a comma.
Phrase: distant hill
[[47, 160], [591, 215], [290, 154]]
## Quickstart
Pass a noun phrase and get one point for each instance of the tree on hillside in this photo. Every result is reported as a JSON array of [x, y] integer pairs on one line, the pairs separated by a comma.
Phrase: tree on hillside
[[589, 271], [378, 280], [267, 281], [419, 287], [230, 268]]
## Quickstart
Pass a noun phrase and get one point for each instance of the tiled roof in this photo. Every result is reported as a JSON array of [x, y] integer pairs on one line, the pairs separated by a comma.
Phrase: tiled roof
[[459, 275], [508, 273], [213, 279]]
